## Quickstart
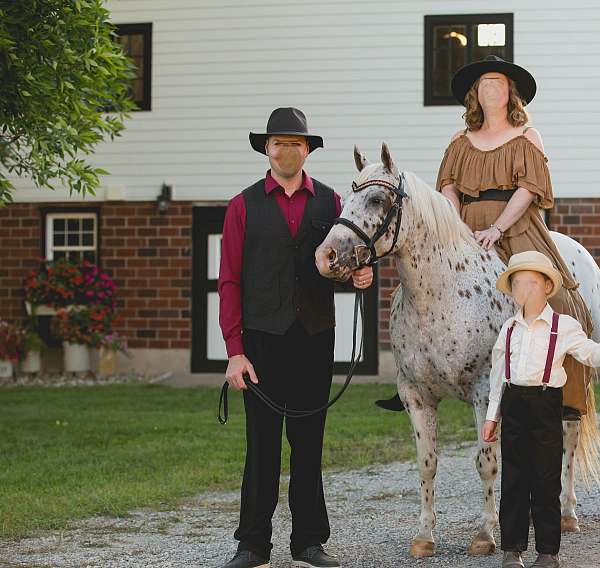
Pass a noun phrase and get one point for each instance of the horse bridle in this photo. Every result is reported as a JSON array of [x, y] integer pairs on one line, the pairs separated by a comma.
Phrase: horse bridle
[[365, 254]]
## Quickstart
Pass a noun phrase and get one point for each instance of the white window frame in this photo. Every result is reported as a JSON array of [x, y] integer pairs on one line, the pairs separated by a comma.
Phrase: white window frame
[[50, 248]]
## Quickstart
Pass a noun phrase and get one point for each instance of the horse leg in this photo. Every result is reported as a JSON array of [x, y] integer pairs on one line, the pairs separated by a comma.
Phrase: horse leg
[[424, 422], [483, 542], [568, 500]]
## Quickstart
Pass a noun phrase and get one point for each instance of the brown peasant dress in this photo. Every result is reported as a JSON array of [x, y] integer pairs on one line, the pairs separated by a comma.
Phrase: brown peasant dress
[[518, 163]]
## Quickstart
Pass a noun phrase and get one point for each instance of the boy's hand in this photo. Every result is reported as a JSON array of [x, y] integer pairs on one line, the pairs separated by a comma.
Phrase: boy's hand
[[488, 432]]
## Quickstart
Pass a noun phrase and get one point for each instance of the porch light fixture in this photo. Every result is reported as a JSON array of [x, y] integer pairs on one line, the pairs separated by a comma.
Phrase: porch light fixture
[[164, 197]]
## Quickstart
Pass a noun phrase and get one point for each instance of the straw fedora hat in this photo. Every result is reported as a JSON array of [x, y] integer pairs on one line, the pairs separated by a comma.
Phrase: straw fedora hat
[[529, 260]]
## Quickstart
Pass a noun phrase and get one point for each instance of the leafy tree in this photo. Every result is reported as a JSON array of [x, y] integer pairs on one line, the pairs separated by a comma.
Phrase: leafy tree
[[64, 87]]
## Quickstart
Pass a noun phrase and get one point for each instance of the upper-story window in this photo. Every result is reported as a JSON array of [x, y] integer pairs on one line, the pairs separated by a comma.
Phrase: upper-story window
[[136, 40], [456, 40]]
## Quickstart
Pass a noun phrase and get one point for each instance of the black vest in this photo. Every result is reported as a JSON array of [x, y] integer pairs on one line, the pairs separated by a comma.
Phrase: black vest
[[280, 282]]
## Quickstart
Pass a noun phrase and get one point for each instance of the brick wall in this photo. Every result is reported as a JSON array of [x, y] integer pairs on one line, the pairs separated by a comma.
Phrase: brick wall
[[148, 255], [150, 258], [20, 250], [578, 218]]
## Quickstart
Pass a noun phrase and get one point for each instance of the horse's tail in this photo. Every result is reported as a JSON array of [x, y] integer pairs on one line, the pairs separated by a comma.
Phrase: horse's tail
[[588, 449]]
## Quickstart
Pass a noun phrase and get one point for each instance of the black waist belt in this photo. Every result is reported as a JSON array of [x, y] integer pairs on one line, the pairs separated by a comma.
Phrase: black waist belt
[[489, 195], [532, 389]]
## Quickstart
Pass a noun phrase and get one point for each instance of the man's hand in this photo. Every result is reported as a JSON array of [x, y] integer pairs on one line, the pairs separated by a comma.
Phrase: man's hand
[[488, 432], [363, 277], [238, 365]]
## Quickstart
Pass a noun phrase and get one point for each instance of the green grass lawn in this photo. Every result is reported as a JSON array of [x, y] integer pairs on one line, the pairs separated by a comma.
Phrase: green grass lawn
[[75, 452]]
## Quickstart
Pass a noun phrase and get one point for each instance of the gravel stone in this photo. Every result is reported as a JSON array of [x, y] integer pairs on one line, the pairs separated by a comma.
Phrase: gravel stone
[[373, 514]]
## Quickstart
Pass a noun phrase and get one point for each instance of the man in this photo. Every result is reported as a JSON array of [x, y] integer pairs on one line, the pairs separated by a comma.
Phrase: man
[[277, 317]]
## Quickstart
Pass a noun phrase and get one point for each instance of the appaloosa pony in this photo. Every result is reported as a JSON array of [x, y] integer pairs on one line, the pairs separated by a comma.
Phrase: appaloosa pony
[[444, 322]]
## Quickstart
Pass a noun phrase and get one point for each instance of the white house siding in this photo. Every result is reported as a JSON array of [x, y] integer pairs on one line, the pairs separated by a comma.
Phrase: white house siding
[[355, 68]]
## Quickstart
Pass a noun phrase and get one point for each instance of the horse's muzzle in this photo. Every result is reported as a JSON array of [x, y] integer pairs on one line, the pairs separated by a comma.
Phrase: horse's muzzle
[[338, 266]]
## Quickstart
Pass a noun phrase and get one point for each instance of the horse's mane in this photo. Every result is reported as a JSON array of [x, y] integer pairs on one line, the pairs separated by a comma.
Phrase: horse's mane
[[437, 212]]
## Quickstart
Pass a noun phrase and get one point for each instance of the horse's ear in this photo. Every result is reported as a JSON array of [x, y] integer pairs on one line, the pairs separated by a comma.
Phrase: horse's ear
[[387, 160], [360, 159]]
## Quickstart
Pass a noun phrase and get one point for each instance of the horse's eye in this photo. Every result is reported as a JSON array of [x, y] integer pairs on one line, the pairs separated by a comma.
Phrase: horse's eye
[[375, 201]]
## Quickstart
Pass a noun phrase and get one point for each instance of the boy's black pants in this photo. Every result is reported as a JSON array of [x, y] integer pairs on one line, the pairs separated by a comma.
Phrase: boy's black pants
[[294, 369], [532, 444]]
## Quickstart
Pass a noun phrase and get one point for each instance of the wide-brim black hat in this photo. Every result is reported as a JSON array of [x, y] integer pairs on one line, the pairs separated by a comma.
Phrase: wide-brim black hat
[[465, 77], [285, 121]]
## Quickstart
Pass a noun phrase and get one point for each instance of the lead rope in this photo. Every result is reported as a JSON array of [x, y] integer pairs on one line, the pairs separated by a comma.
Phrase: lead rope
[[358, 306], [223, 415]]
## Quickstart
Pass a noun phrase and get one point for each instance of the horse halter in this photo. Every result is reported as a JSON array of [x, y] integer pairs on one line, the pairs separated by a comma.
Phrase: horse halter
[[365, 255]]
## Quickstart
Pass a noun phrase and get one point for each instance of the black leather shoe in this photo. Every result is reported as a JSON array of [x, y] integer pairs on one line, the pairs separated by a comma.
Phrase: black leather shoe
[[394, 404], [247, 559], [571, 414], [314, 557]]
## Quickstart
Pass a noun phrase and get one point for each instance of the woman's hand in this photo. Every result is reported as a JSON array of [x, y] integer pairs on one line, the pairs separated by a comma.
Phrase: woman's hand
[[363, 277], [488, 432], [488, 237], [514, 210]]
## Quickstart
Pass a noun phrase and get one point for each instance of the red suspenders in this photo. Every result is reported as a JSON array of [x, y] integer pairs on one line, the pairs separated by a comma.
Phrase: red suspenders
[[549, 357], [507, 352], [551, 349]]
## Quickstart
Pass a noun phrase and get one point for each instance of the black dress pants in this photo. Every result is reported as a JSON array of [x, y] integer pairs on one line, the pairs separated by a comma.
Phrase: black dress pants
[[294, 369], [532, 444]]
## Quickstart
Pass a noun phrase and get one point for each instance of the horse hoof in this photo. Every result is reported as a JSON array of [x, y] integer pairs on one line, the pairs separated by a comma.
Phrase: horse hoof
[[421, 548], [482, 547], [569, 525]]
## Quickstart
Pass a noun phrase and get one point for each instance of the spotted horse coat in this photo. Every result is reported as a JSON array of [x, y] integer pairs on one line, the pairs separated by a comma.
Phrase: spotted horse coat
[[444, 321]]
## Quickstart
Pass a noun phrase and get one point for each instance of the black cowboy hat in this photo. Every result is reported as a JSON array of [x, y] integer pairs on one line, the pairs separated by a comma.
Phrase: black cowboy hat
[[289, 121], [465, 77]]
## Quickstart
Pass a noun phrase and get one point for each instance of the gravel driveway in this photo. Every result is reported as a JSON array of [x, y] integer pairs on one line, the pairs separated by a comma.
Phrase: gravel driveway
[[372, 511]]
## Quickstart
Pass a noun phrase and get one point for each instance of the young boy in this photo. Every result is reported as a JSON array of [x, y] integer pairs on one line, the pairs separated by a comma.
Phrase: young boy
[[526, 391]]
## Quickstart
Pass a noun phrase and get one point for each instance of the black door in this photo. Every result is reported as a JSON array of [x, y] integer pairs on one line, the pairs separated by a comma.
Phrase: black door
[[208, 348]]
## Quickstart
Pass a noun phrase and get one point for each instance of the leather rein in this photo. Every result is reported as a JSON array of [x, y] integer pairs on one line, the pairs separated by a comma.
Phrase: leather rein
[[365, 255]]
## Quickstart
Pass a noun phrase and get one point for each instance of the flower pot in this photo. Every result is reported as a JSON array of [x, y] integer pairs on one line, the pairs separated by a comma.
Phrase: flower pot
[[107, 361], [6, 369], [32, 362], [76, 357]]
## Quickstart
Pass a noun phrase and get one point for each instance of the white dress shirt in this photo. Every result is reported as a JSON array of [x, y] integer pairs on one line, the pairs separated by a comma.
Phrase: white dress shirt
[[529, 349]]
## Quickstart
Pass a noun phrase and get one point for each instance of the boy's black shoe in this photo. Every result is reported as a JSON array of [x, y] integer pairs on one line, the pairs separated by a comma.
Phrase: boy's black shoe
[[512, 559], [314, 557], [247, 559]]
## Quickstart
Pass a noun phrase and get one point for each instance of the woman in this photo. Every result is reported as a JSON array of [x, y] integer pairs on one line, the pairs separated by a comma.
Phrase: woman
[[495, 174]]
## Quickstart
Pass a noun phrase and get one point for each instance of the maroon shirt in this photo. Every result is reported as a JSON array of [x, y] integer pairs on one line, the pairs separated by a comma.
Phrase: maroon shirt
[[232, 248]]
